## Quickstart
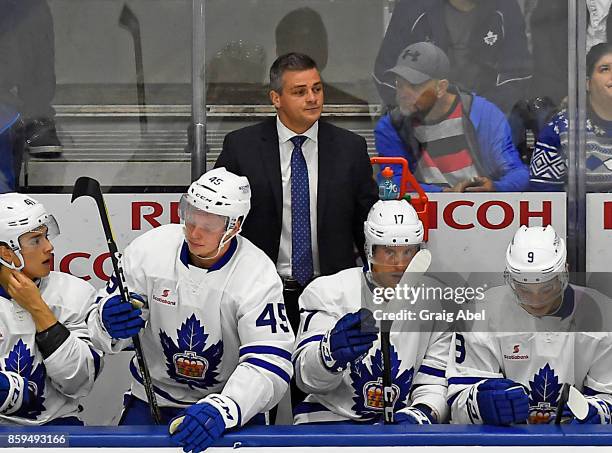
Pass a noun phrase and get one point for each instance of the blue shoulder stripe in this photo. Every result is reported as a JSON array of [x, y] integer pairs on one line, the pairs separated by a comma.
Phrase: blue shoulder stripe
[[268, 366], [272, 350]]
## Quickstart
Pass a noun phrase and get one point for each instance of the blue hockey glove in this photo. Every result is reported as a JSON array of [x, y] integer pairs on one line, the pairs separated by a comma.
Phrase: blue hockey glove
[[350, 339], [15, 394], [599, 413], [417, 415], [499, 402], [121, 320], [201, 427]]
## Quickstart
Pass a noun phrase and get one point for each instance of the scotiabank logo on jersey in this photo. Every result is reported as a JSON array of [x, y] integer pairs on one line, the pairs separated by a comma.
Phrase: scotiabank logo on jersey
[[516, 354], [164, 299]]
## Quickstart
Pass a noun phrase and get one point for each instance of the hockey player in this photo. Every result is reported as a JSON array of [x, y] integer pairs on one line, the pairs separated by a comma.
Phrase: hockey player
[[338, 359], [512, 368], [217, 339], [46, 359]]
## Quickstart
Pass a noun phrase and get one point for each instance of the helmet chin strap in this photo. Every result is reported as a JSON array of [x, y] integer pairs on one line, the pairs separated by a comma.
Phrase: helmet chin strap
[[12, 265], [227, 236]]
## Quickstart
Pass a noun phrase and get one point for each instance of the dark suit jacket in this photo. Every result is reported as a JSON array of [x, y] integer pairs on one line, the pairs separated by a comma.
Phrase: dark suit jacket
[[345, 193]]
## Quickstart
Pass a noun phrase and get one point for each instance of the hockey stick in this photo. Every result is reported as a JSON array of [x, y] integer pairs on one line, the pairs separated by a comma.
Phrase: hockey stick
[[563, 397], [86, 186], [413, 273], [129, 21], [576, 403]]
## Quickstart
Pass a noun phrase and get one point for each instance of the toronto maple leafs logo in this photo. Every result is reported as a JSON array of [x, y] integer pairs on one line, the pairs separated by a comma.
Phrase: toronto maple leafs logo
[[20, 361], [490, 38], [189, 361], [543, 396], [368, 388]]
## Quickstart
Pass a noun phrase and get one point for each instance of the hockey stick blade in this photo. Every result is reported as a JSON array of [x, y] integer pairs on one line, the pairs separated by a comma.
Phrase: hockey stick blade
[[175, 424], [417, 267], [129, 21], [413, 273], [86, 186], [577, 403]]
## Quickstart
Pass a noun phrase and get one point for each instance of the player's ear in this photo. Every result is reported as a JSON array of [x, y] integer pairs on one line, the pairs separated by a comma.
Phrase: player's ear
[[238, 225], [275, 98], [7, 254]]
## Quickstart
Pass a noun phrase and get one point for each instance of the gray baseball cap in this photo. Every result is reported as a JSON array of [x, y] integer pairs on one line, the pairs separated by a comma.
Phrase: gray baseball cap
[[421, 62]]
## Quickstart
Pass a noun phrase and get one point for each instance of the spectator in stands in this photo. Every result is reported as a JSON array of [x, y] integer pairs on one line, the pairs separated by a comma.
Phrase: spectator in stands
[[27, 78], [549, 40], [548, 170], [598, 29], [453, 141], [485, 40], [11, 148]]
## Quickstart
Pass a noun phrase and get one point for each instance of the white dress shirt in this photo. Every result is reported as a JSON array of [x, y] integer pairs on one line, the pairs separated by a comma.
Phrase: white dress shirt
[[310, 150]]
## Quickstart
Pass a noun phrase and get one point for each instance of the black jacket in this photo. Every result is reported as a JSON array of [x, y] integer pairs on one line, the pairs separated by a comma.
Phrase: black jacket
[[345, 193]]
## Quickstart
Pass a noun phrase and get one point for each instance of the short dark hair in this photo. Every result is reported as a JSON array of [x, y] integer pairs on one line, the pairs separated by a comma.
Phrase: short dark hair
[[595, 54], [292, 61]]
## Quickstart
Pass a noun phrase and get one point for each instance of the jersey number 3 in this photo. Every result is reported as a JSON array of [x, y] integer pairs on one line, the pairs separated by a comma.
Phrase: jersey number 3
[[267, 318]]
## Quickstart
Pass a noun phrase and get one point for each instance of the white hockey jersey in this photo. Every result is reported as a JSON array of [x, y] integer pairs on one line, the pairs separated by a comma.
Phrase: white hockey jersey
[[69, 373], [221, 330], [418, 358], [540, 353]]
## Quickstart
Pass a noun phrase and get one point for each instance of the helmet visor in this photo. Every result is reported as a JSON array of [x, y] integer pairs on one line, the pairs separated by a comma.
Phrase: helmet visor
[[194, 218], [394, 255], [36, 238], [538, 295]]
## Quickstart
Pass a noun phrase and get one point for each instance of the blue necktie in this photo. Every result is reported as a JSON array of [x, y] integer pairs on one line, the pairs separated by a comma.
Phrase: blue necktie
[[301, 251]]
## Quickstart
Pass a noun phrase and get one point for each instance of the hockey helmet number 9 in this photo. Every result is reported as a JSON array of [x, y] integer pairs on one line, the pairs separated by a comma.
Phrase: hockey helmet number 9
[[536, 266], [19, 215], [392, 223]]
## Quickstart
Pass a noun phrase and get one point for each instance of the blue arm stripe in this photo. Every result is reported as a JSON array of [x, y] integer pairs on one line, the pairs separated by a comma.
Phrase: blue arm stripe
[[432, 371], [273, 350], [97, 361], [308, 408], [309, 340], [588, 391], [269, 366], [465, 380], [452, 399]]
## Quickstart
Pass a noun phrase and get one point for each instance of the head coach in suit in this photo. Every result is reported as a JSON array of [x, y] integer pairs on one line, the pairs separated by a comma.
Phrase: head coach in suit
[[311, 182]]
